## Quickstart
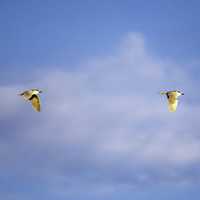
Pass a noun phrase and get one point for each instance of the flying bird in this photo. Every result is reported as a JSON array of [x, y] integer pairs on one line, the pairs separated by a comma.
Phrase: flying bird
[[172, 97], [33, 96]]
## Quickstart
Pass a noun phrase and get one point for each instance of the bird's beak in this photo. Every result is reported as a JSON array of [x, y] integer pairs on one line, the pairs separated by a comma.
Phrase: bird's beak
[[182, 93], [40, 91]]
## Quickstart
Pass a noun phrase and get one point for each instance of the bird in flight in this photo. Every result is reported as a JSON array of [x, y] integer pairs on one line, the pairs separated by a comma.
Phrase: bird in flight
[[33, 96], [172, 97]]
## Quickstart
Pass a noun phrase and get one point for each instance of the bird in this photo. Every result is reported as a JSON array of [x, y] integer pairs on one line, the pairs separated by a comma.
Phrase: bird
[[33, 96], [172, 97]]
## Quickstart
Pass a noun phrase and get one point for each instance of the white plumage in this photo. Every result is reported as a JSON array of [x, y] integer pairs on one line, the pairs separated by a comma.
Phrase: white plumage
[[172, 97], [33, 96]]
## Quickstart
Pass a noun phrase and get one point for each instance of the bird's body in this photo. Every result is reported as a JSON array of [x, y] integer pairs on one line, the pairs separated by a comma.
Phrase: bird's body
[[33, 96], [172, 97]]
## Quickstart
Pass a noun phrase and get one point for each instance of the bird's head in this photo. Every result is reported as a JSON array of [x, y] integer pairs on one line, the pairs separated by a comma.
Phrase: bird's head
[[179, 93], [162, 92], [36, 91]]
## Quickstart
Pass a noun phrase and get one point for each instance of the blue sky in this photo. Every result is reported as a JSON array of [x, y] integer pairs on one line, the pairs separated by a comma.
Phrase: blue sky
[[104, 132]]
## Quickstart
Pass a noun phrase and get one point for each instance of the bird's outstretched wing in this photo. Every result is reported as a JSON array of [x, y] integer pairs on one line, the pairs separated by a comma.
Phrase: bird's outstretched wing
[[172, 101], [35, 100]]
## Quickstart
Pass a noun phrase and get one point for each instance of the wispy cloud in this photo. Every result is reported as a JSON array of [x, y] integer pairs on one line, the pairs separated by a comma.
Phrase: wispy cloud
[[103, 124]]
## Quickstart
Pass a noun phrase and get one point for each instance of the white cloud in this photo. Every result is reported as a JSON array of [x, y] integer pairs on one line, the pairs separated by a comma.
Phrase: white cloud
[[107, 115]]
